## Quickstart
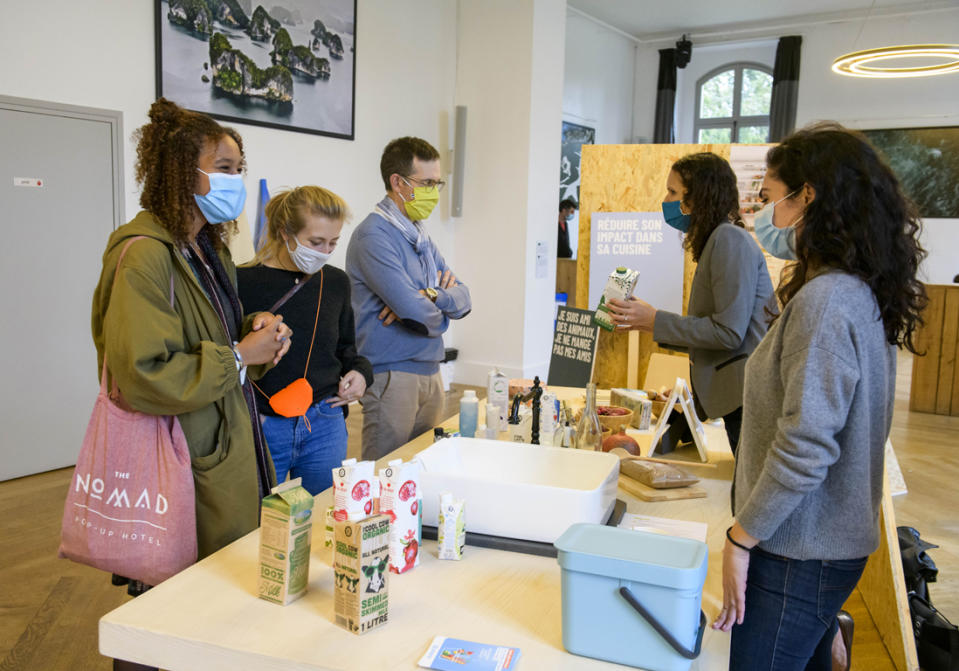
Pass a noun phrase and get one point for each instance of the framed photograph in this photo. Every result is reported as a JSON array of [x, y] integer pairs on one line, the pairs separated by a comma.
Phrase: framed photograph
[[574, 137], [926, 162], [290, 64]]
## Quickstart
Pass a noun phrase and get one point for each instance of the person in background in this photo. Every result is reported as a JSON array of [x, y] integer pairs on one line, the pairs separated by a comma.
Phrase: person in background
[[567, 207], [305, 426], [730, 295], [192, 359], [404, 296], [819, 397]]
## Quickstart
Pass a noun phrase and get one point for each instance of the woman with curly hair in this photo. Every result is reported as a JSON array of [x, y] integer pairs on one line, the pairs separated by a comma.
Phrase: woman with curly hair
[[819, 397], [187, 354], [730, 294]]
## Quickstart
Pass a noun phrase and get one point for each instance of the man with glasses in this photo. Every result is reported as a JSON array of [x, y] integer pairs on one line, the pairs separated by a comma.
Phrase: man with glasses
[[404, 296]]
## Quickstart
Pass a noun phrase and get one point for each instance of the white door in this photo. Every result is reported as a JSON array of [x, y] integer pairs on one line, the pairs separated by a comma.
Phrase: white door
[[58, 205]]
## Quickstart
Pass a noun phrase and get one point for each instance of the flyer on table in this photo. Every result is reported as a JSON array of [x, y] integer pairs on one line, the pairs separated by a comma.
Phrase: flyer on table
[[453, 654]]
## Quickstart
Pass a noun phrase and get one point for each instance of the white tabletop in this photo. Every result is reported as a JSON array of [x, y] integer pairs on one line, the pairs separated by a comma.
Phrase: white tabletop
[[208, 617]]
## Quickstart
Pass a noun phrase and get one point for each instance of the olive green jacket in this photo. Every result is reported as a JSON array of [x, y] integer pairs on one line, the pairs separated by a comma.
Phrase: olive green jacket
[[179, 361]]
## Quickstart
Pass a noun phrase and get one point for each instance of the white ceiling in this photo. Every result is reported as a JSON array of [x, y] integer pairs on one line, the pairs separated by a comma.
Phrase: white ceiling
[[661, 20]]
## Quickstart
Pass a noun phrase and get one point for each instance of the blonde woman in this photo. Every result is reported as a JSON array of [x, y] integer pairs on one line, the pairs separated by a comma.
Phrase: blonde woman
[[303, 400]]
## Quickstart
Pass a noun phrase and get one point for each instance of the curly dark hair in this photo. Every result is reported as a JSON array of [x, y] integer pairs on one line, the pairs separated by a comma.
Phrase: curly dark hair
[[859, 222], [712, 195], [168, 149]]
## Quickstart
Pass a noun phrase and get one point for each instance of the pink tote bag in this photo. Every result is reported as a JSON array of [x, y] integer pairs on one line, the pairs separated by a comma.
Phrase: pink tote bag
[[130, 509]]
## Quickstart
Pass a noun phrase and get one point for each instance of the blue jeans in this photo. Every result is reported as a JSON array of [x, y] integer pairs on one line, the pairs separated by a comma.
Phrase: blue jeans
[[791, 608], [311, 453]]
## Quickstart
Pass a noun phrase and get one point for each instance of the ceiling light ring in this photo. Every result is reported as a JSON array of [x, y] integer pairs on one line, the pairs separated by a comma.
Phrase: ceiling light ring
[[855, 64]]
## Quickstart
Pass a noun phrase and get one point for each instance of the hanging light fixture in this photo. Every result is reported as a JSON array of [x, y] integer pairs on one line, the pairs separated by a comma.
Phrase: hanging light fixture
[[864, 63]]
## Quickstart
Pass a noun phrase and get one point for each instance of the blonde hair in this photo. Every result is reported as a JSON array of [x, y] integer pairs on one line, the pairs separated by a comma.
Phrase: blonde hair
[[286, 213]]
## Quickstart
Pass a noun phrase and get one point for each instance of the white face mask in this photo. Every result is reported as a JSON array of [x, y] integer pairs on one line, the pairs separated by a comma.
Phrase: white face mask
[[307, 260]]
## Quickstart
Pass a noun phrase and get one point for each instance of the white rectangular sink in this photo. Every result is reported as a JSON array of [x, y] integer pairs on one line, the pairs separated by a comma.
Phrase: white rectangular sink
[[517, 490]]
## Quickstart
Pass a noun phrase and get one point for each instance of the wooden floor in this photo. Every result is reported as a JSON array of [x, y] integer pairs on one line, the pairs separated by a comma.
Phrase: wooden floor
[[49, 607]]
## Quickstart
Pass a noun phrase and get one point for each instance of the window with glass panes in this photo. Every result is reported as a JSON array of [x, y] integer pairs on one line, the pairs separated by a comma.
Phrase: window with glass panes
[[732, 104]]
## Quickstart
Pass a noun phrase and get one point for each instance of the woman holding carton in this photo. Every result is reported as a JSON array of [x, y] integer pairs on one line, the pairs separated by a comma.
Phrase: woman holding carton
[[819, 397], [731, 293], [303, 400]]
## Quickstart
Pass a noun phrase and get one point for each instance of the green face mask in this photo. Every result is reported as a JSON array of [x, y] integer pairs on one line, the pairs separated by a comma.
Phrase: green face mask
[[424, 200]]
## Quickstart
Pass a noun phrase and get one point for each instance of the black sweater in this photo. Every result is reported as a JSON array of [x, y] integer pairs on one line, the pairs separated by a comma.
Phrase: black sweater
[[334, 349]]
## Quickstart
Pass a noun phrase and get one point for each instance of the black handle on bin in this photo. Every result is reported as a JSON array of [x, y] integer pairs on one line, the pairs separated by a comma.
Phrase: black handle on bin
[[662, 631]]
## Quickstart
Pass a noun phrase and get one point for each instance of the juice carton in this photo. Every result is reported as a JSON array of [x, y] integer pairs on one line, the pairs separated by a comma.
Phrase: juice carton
[[352, 490], [361, 577], [497, 394], [620, 286], [548, 417], [400, 499], [451, 530], [285, 530]]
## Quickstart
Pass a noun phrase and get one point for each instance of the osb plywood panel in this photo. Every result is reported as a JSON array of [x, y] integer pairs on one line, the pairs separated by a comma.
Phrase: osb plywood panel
[[883, 589], [625, 178]]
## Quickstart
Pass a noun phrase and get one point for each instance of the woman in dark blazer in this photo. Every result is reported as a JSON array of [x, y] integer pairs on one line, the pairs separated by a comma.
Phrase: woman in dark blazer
[[731, 297]]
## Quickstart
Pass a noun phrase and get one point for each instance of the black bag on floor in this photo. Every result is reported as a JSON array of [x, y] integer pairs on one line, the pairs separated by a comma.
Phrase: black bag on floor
[[918, 566], [937, 639]]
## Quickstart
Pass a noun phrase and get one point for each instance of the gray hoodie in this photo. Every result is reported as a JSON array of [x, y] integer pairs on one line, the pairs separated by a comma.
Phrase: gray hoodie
[[817, 409]]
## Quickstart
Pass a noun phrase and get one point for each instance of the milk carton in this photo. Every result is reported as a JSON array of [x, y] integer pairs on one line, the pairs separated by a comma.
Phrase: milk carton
[[451, 530], [497, 395], [400, 499], [637, 401], [620, 286], [361, 574], [353, 490], [285, 530]]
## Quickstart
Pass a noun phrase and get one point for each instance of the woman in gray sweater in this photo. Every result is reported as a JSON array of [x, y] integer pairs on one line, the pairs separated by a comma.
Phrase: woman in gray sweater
[[818, 397]]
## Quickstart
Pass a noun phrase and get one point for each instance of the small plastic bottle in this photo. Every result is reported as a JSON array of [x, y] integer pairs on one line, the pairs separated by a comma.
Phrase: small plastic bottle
[[469, 413]]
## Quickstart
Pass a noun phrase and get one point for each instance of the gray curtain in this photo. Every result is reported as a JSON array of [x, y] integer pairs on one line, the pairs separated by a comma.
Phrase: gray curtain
[[782, 109], [664, 131]]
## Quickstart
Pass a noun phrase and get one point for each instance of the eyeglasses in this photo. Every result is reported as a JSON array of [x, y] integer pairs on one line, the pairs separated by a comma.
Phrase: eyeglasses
[[437, 184]]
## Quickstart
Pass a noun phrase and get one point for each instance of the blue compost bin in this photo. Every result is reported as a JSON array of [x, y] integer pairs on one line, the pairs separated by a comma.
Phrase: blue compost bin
[[632, 597]]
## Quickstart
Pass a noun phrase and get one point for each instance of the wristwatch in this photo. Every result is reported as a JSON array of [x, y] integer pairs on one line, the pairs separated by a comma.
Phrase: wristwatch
[[432, 293]]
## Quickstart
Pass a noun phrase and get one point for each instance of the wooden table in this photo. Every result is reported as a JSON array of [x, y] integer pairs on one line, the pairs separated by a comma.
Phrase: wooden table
[[209, 617]]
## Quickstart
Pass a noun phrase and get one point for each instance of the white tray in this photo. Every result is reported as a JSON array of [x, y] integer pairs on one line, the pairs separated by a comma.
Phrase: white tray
[[517, 490]]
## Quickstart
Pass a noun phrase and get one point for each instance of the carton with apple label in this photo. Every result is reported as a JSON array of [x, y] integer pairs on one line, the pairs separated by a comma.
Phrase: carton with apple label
[[285, 530], [400, 499], [361, 573], [353, 490]]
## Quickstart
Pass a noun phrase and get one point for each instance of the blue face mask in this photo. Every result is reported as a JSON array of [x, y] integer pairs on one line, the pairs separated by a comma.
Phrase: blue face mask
[[674, 216], [780, 242], [225, 200]]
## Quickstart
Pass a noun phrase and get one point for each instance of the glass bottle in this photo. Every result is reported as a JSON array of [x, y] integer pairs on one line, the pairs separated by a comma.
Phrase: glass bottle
[[589, 432]]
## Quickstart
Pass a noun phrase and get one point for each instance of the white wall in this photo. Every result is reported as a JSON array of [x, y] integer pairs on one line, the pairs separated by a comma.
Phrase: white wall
[[513, 96], [403, 87], [704, 59], [545, 123], [855, 102], [598, 82], [887, 103], [598, 79]]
